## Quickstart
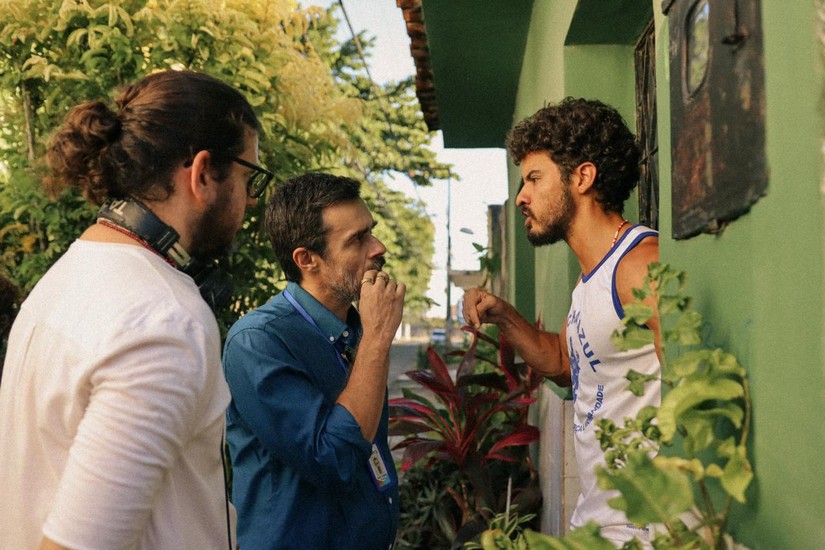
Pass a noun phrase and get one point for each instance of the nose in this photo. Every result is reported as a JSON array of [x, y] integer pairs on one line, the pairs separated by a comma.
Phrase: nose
[[378, 248], [521, 198]]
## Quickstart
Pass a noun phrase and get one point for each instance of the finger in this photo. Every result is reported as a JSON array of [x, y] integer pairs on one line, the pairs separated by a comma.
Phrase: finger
[[471, 308], [369, 277]]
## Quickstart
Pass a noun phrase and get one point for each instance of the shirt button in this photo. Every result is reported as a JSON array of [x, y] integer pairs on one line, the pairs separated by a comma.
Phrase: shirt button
[[346, 333], [390, 500], [332, 338]]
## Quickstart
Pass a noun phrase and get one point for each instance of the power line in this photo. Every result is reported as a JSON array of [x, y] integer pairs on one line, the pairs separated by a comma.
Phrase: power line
[[376, 92]]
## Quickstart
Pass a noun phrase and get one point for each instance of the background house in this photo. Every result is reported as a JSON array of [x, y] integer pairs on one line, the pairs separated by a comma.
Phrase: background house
[[727, 98]]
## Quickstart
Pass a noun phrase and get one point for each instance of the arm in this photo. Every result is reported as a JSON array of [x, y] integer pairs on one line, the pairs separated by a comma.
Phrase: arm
[[277, 394], [545, 352], [143, 407], [380, 305], [631, 273]]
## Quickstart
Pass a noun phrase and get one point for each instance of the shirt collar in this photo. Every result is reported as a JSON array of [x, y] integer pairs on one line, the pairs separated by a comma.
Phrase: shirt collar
[[333, 328]]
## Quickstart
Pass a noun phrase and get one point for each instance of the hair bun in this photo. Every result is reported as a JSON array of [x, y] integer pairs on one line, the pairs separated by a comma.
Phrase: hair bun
[[98, 121]]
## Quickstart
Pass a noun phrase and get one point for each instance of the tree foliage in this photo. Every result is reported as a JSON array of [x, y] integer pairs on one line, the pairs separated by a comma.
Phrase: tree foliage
[[311, 93]]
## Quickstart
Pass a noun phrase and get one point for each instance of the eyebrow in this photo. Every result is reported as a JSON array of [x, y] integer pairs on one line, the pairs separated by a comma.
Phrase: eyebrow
[[532, 174], [362, 232]]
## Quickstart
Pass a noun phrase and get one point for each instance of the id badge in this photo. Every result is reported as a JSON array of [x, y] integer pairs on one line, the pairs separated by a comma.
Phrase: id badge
[[380, 475]]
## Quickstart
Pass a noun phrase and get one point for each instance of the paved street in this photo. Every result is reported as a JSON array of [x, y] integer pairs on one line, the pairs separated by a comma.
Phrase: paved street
[[403, 357]]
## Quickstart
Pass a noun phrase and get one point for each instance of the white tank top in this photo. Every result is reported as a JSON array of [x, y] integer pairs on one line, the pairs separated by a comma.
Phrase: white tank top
[[599, 385]]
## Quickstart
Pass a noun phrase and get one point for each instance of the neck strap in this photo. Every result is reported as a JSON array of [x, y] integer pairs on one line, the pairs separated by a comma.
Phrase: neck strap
[[291, 299], [131, 215], [135, 217]]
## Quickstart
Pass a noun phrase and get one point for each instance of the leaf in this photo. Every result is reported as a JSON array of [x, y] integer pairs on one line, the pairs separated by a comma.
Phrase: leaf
[[468, 361], [685, 331], [632, 337], [726, 448], [699, 432], [709, 417], [586, 537], [524, 435], [713, 470], [480, 335], [725, 363], [688, 363], [690, 394], [638, 313], [439, 368], [693, 466], [638, 381], [737, 475], [491, 380], [648, 494], [417, 451], [402, 426], [446, 392], [507, 362]]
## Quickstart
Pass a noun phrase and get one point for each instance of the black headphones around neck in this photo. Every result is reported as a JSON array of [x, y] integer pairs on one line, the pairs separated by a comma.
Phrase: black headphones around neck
[[215, 284]]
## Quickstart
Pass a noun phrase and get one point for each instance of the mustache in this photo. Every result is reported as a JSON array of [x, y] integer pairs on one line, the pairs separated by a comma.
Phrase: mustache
[[526, 212], [378, 263]]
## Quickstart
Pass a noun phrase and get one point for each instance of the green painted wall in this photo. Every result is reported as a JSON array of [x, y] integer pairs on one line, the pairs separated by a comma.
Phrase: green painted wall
[[550, 283], [759, 284], [760, 287]]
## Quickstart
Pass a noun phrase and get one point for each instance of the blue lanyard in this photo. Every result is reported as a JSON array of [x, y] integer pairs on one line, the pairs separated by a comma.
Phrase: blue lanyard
[[312, 322]]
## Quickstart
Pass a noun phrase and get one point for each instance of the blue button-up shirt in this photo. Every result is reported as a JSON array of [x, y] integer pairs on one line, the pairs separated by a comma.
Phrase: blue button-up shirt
[[301, 474]]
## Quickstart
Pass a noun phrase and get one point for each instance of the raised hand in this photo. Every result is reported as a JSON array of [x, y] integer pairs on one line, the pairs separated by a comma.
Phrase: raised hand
[[482, 307], [381, 305]]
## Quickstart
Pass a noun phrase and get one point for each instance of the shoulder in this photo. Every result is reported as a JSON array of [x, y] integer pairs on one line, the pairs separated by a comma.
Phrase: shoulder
[[265, 330], [632, 268], [275, 315]]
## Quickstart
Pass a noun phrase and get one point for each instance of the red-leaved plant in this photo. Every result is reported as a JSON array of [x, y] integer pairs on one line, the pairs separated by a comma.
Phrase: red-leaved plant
[[477, 422]]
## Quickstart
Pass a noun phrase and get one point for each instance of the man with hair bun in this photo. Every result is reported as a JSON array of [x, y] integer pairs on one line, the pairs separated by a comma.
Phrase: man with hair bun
[[579, 162], [112, 404]]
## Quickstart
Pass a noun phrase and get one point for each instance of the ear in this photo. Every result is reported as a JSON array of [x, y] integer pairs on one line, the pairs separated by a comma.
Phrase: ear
[[199, 182], [305, 259], [585, 177]]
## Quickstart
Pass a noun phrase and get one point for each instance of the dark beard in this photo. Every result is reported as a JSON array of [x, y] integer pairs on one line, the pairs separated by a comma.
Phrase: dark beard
[[212, 238], [551, 235], [557, 230], [348, 288]]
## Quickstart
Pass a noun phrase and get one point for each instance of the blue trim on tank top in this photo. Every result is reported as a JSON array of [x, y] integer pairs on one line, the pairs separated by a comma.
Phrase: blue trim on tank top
[[617, 304], [588, 276]]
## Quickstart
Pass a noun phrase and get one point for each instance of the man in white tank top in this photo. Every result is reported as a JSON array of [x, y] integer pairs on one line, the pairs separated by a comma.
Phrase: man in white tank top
[[579, 163]]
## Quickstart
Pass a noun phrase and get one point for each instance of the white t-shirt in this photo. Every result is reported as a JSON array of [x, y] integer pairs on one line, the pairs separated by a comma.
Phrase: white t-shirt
[[112, 408], [599, 385]]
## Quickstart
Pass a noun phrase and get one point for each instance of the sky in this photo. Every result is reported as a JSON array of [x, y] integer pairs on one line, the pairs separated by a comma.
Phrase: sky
[[482, 173]]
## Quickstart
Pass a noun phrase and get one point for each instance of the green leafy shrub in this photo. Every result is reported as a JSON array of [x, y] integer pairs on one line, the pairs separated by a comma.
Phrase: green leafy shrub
[[468, 437]]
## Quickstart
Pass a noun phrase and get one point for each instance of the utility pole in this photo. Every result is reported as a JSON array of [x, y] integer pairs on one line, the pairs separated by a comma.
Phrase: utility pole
[[448, 319]]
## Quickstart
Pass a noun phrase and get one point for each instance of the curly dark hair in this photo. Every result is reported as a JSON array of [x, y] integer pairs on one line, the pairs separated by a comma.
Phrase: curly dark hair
[[294, 215], [583, 130]]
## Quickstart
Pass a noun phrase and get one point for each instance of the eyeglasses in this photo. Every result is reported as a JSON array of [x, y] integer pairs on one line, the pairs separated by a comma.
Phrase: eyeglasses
[[258, 180]]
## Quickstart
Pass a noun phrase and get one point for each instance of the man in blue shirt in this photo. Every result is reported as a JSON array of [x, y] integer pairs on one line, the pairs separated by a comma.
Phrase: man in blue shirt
[[307, 426]]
